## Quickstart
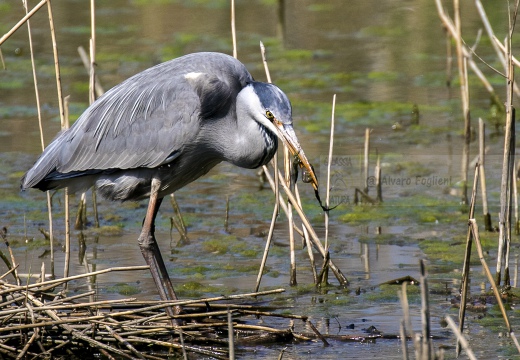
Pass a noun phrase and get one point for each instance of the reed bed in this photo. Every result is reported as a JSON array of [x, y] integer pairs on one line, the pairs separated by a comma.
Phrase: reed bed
[[38, 320]]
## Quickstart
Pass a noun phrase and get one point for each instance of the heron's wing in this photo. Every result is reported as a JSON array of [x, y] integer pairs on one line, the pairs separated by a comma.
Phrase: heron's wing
[[143, 122]]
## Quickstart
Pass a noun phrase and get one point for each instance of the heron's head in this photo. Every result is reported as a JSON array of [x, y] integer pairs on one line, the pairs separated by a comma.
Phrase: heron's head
[[270, 107]]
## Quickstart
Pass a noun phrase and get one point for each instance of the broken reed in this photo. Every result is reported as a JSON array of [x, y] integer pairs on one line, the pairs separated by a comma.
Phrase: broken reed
[[423, 340]]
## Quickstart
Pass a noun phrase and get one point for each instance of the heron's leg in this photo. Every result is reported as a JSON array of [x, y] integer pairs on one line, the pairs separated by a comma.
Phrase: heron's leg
[[151, 252]]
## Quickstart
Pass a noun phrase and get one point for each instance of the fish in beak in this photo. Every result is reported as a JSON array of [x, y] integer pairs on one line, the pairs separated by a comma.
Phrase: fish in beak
[[288, 136]]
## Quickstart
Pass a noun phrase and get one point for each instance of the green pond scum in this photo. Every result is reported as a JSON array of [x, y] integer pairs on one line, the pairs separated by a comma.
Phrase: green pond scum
[[124, 289], [388, 293]]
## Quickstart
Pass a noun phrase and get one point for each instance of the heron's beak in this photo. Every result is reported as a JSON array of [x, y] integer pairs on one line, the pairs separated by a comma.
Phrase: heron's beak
[[288, 136]]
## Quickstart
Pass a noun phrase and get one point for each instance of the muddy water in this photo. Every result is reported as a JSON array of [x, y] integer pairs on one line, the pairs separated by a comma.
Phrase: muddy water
[[380, 58]]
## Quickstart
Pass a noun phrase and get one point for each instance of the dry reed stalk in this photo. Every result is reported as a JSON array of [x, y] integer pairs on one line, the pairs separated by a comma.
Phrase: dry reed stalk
[[482, 174], [92, 88], [231, 338], [379, 185], [280, 357], [449, 60], [75, 307], [366, 160], [292, 249], [60, 105], [464, 286], [35, 78], [278, 198], [86, 63], [515, 278], [329, 164], [179, 221], [94, 91], [271, 227], [307, 241], [264, 61], [314, 237], [318, 334], [464, 95], [460, 338], [40, 122], [52, 283], [66, 264], [233, 29], [515, 199], [281, 202], [426, 341], [504, 225], [27, 345], [512, 182], [474, 229], [56, 64], [94, 208], [14, 266], [288, 181], [402, 334], [219, 298], [22, 21], [79, 223], [213, 353], [226, 219], [287, 167], [423, 345], [12, 269], [324, 275], [490, 32], [504, 50], [124, 342], [271, 314], [2, 59], [92, 63]]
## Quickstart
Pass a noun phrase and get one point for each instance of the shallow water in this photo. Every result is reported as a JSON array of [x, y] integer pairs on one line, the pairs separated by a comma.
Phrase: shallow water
[[380, 58]]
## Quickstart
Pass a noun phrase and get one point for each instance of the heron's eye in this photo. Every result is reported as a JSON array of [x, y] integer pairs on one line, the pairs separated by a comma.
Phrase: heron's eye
[[269, 115]]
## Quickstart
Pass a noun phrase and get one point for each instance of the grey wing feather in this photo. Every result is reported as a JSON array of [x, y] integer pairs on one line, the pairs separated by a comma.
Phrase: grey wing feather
[[146, 120], [143, 134]]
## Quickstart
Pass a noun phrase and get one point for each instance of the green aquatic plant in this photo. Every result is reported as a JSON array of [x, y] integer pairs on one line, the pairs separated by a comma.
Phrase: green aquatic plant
[[388, 293], [124, 289]]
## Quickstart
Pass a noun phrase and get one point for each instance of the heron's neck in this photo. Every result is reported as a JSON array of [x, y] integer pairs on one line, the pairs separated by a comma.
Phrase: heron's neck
[[242, 141]]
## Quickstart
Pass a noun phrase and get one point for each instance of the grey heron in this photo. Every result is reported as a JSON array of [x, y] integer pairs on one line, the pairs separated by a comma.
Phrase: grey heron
[[162, 129]]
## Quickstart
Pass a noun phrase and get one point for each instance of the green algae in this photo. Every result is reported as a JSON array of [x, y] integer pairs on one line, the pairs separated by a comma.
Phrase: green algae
[[124, 289], [108, 230], [408, 210], [229, 244], [195, 289], [388, 293]]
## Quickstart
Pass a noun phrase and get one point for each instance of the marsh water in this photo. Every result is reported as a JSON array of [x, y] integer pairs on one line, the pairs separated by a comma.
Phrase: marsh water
[[385, 60]]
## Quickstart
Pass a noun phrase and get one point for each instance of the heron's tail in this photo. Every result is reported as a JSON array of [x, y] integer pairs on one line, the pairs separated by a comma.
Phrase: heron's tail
[[45, 165]]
